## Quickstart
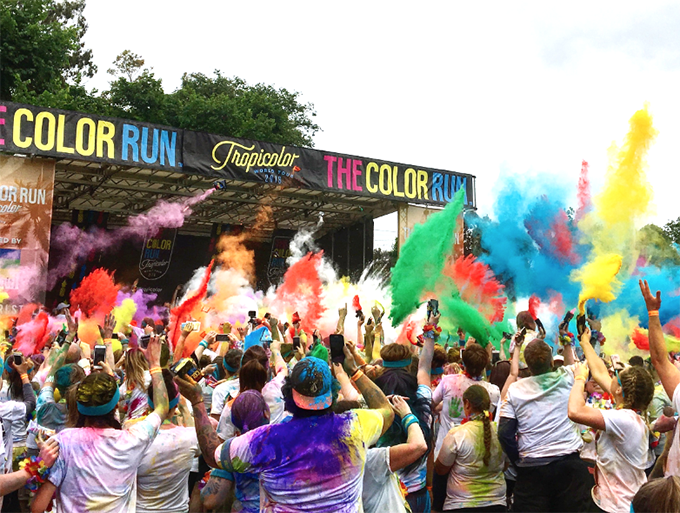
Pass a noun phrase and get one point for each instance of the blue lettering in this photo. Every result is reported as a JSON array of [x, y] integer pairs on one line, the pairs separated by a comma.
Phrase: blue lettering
[[449, 183], [437, 180], [461, 182], [130, 138], [154, 146], [168, 147]]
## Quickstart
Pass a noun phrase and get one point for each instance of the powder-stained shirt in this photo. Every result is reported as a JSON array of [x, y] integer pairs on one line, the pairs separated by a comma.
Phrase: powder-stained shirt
[[308, 464], [450, 390], [163, 475], [623, 454], [539, 403], [246, 490], [673, 462], [222, 393], [382, 492], [471, 484], [97, 468], [135, 400]]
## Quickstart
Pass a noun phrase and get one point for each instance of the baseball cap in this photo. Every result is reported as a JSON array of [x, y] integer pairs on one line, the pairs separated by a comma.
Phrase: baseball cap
[[311, 379], [61, 306]]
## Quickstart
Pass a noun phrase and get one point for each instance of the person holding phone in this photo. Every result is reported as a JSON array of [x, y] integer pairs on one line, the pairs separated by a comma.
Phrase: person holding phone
[[98, 460], [314, 462], [137, 380], [623, 449]]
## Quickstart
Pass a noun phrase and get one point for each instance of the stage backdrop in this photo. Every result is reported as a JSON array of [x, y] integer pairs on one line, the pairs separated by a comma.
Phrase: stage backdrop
[[26, 188], [74, 135]]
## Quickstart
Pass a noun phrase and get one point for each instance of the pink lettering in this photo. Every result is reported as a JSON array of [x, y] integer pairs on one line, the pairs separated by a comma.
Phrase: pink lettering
[[356, 173], [330, 159], [347, 171]]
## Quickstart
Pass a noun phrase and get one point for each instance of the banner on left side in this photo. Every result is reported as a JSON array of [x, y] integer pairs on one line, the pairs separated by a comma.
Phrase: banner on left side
[[26, 191]]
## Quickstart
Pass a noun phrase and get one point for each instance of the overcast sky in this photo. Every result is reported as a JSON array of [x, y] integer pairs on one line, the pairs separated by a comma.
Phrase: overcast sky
[[490, 89]]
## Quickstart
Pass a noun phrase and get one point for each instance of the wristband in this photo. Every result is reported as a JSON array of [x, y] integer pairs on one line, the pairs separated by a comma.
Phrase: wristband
[[155, 369], [193, 405], [203, 343], [408, 420], [653, 313], [24, 377], [357, 375]]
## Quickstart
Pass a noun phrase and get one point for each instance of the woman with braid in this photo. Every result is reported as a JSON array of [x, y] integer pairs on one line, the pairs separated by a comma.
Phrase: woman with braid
[[97, 465], [472, 457], [623, 450]]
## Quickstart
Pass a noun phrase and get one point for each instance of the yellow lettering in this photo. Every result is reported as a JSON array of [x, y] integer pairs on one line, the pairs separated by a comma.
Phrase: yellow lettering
[[422, 184], [60, 136], [51, 129], [410, 183], [398, 194], [252, 161], [105, 133], [371, 167], [385, 182], [80, 137], [18, 115]]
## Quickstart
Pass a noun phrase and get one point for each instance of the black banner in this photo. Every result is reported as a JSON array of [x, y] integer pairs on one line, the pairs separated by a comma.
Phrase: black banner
[[71, 135], [65, 134]]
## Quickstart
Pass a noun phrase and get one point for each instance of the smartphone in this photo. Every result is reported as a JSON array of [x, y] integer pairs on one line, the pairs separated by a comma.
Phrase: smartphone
[[17, 358], [99, 354], [337, 343], [114, 336], [580, 324], [296, 343], [187, 367], [222, 337], [191, 326], [567, 319], [539, 325], [615, 361], [495, 357], [144, 341], [61, 338], [507, 336], [433, 307], [252, 314]]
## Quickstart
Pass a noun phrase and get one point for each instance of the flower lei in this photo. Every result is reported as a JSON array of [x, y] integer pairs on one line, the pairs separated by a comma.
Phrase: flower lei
[[432, 331], [37, 470], [476, 416], [473, 378], [569, 338]]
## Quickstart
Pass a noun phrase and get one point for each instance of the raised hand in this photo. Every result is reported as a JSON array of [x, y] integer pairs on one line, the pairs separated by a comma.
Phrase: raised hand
[[653, 303], [399, 406], [109, 324]]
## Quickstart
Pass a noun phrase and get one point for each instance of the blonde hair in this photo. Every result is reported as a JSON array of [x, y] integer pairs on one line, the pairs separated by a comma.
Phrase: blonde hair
[[135, 365]]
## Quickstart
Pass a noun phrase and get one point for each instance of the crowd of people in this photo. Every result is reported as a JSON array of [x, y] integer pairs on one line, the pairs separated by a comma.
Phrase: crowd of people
[[270, 418]]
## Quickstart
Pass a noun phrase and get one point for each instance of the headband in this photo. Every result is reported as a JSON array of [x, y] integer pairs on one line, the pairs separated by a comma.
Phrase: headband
[[398, 364], [229, 367], [171, 404], [96, 411]]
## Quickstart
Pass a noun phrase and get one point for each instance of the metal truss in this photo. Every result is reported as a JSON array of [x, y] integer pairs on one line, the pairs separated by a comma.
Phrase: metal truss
[[125, 191]]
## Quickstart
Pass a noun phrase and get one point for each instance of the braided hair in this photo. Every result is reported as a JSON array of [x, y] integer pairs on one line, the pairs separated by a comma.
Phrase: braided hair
[[480, 403], [638, 389]]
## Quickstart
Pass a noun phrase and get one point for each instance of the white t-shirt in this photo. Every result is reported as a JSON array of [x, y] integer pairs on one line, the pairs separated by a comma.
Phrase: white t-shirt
[[13, 415], [163, 475], [220, 394], [97, 468], [137, 400], [623, 454], [450, 390], [673, 462], [539, 403], [271, 393], [382, 492], [470, 484]]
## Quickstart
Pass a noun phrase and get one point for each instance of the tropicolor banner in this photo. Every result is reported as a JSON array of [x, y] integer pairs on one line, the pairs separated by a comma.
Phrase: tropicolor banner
[[61, 134]]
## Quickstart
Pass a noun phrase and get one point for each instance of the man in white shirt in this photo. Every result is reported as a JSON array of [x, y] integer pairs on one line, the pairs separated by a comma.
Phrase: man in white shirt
[[539, 438]]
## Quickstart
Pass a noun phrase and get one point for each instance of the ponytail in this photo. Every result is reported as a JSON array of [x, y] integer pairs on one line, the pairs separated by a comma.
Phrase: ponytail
[[480, 403], [487, 439]]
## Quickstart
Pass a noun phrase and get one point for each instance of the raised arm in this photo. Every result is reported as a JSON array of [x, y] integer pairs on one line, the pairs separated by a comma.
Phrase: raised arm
[[597, 367], [27, 389], [342, 313], [279, 363], [403, 455], [514, 364], [205, 431], [204, 344], [348, 392], [160, 393], [374, 397], [578, 411], [426, 355], [179, 347], [669, 374]]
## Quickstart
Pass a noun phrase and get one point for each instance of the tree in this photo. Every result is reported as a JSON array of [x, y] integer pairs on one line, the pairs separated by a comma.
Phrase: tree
[[672, 230], [656, 246], [128, 64], [384, 261], [41, 48]]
